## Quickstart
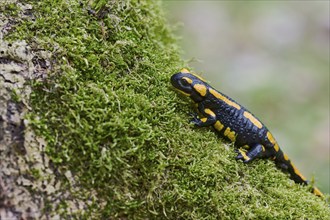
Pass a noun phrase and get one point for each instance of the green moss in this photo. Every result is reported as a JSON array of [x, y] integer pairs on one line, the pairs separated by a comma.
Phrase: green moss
[[9, 9], [35, 173], [110, 116], [14, 96]]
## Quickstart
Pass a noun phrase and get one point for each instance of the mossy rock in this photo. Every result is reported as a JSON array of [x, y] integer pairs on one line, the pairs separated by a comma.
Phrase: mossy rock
[[119, 136]]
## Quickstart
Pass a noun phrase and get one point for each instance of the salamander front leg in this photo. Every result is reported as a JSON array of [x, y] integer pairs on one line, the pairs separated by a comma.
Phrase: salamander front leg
[[254, 152], [208, 120]]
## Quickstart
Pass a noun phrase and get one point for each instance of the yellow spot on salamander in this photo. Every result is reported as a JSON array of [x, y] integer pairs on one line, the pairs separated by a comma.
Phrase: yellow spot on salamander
[[209, 112], [182, 92], [184, 71], [223, 98], [286, 157], [187, 79], [201, 89], [188, 72], [246, 147], [218, 126], [230, 134], [271, 138], [296, 171], [245, 157], [317, 192], [203, 119], [273, 141], [255, 121]]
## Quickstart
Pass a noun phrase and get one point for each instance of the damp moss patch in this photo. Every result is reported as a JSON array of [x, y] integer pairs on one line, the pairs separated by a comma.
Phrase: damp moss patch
[[111, 118]]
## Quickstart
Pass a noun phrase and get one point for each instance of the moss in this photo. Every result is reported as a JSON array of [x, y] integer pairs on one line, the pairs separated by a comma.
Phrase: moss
[[110, 116], [35, 173], [9, 9], [15, 96]]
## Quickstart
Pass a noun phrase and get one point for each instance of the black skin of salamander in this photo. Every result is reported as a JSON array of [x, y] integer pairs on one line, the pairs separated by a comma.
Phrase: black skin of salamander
[[247, 134]]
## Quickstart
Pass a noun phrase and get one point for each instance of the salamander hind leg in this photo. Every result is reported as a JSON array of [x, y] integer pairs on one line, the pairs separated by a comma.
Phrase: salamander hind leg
[[256, 151]]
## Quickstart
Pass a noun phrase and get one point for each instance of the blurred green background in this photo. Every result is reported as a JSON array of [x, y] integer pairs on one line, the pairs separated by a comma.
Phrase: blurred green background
[[273, 58]]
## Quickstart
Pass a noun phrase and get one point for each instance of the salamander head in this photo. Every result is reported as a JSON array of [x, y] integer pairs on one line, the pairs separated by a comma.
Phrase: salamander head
[[190, 84]]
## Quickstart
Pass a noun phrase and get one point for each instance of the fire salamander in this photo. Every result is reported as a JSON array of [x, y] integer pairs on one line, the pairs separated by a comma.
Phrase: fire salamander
[[235, 123]]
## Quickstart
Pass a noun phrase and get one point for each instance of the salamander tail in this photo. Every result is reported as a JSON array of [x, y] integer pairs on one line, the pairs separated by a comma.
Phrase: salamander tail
[[283, 162], [317, 192]]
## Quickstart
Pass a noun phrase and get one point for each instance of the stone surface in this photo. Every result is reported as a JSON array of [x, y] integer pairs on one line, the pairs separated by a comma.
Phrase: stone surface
[[30, 188]]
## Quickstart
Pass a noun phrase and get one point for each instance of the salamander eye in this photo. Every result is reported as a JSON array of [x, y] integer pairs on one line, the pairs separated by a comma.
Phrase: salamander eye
[[185, 81]]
